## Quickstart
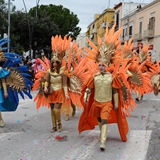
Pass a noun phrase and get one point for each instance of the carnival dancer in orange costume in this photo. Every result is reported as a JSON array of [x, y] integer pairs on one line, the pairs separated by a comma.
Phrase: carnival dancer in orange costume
[[107, 92], [53, 83], [102, 104], [56, 84], [154, 76], [71, 60], [144, 62], [55, 93]]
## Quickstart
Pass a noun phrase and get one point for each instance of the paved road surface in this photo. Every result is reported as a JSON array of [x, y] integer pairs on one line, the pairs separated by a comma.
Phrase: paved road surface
[[26, 136]]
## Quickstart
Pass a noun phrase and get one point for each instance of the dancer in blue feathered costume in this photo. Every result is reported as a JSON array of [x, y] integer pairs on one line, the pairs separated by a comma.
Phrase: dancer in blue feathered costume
[[13, 81]]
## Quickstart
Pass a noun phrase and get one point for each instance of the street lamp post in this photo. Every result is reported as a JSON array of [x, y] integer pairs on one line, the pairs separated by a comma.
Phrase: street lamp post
[[37, 2], [9, 2], [29, 25]]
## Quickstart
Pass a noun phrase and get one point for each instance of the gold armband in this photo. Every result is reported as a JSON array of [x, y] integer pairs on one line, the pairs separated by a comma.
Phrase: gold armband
[[87, 94], [46, 84], [65, 88], [43, 84]]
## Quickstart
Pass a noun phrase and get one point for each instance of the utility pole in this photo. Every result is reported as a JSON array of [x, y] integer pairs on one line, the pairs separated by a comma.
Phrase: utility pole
[[8, 48], [29, 25], [29, 28], [37, 3]]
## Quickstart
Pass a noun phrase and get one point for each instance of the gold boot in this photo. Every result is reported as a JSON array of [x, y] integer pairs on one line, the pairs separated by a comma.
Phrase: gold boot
[[100, 126], [104, 130], [1, 121], [53, 117], [58, 119], [74, 109], [67, 117]]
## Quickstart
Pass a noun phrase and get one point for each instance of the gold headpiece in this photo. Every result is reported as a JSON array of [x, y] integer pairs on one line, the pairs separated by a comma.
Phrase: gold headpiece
[[56, 57], [105, 53], [107, 48]]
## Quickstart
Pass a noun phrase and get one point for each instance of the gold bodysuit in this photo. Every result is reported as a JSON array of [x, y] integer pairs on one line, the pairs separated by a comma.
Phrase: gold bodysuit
[[57, 81], [103, 87]]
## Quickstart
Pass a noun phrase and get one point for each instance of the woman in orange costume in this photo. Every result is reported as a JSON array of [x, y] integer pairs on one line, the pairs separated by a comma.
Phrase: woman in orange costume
[[56, 83], [52, 82]]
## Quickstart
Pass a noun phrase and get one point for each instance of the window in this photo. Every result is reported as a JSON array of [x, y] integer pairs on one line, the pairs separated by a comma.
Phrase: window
[[140, 27], [151, 24], [124, 31], [117, 19], [103, 24], [130, 30]]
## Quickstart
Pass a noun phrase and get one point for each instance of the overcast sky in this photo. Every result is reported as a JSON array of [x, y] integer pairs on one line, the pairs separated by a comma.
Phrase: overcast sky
[[84, 9]]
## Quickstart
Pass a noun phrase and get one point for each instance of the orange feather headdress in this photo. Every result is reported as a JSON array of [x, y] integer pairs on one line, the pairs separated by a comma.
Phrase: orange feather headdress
[[59, 46], [106, 49]]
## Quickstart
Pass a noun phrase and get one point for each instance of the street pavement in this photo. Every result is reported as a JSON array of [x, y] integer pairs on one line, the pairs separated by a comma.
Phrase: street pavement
[[26, 135]]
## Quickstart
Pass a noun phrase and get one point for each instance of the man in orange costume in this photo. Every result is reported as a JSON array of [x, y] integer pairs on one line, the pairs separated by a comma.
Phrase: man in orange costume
[[102, 106], [102, 95]]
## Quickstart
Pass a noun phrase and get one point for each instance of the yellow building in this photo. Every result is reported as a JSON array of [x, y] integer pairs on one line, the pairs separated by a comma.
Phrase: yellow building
[[98, 26]]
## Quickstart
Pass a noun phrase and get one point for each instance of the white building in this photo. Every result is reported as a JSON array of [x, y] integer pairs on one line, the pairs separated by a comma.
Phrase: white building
[[81, 39], [124, 8]]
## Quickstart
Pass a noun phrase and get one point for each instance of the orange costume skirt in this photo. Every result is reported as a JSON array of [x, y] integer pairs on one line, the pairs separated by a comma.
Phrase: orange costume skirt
[[56, 97], [101, 109]]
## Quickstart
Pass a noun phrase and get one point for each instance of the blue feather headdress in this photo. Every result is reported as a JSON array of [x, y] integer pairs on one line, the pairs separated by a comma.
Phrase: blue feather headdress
[[10, 62]]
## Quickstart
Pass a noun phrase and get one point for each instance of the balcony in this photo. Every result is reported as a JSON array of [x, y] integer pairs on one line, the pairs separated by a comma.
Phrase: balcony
[[94, 31], [126, 38], [138, 36], [149, 33], [104, 25]]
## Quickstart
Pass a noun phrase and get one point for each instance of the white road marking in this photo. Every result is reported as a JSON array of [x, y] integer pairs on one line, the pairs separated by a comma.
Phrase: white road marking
[[153, 99], [4, 136], [84, 147], [134, 149], [137, 145]]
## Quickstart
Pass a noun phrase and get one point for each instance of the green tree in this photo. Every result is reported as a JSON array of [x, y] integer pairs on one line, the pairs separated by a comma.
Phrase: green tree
[[65, 20], [27, 30], [35, 29], [3, 18]]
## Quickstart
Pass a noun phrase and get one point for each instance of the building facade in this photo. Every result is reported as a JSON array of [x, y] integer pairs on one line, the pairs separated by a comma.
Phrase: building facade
[[122, 9], [142, 25], [98, 26]]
